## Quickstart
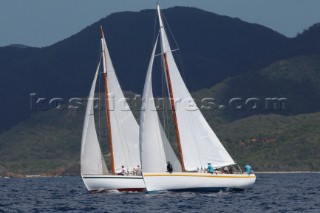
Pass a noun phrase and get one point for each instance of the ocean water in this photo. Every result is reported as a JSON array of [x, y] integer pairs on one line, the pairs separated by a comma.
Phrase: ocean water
[[271, 193]]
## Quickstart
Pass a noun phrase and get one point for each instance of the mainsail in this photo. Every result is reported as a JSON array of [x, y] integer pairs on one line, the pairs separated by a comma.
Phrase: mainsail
[[124, 127], [92, 161], [199, 143]]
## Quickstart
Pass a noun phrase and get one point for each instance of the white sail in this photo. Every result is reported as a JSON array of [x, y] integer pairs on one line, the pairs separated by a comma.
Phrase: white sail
[[124, 127], [92, 161], [170, 155], [153, 140], [199, 143], [151, 146]]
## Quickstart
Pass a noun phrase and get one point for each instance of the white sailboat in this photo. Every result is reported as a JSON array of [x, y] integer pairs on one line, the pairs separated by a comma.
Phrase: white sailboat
[[197, 142], [123, 133]]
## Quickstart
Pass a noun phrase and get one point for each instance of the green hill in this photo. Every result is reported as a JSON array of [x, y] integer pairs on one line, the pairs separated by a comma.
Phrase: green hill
[[275, 142], [296, 79], [213, 45], [49, 142], [44, 142]]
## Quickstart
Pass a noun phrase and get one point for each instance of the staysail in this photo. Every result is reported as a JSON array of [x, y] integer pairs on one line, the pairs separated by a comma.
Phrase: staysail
[[155, 147], [199, 143], [92, 161], [124, 127]]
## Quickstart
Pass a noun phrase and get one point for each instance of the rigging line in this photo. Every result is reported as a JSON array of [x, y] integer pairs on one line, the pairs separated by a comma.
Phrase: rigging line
[[176, 43], [166, 104], [99, 102], [153, 80], [154, 29], [99, 94], [160, 54], [163, 91], [166, 101], [165, 94], [163, 106]]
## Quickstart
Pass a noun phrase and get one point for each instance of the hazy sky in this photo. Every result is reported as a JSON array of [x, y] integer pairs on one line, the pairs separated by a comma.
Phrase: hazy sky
[[44, 22]]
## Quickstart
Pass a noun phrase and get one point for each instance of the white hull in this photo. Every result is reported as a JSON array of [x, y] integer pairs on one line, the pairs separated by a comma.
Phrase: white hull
[[113, 182], [182, 181]]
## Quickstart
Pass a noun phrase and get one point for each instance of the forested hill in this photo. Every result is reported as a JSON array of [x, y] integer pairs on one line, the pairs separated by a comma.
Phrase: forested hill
[[212, 48]]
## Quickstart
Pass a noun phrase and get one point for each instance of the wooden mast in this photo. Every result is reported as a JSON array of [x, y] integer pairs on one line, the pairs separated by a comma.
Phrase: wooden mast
[[174, 111], [175, 120], [107, 102]]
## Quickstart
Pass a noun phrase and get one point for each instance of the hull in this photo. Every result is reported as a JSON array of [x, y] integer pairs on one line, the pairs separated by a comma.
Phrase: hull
[[113, 182], [182, 181]]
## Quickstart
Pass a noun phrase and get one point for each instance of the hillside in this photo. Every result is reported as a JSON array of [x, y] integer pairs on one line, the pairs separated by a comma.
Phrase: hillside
[[49, 142], [306, 43], [296, 79], [274, 142], [215, 46]]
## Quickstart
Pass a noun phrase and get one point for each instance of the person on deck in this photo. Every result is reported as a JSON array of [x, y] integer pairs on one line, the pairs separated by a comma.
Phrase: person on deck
[[169, 167], [138, 170], [226, 170], [248, 168], [123, 171], [210, 168]]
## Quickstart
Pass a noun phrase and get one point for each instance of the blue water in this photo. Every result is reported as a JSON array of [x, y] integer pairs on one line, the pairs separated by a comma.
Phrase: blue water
[[271, 193]]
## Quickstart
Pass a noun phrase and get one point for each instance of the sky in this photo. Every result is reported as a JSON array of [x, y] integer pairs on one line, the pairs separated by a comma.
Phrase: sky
[[40, 23]]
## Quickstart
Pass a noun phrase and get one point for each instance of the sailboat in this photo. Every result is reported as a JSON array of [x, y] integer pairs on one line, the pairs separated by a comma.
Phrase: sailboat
[[197, 143], [123, 134]]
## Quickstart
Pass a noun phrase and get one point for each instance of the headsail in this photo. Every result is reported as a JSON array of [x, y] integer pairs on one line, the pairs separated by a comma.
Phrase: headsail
[[155, 148], [92, 161], [124, 127], [199, 143]]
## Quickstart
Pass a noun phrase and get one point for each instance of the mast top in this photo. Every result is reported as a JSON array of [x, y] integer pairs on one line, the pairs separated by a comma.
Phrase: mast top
[[102, 34], [162, 32], [158, 7]]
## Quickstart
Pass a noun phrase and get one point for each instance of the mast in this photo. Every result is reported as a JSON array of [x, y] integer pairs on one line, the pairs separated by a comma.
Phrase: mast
[[170, 89], [107, 99]]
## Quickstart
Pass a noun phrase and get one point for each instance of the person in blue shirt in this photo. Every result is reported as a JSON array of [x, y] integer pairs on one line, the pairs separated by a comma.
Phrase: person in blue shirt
[[210, 168], [248, 168]]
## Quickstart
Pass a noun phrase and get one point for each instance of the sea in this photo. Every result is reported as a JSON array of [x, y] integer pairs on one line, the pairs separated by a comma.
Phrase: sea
[[285, 192]]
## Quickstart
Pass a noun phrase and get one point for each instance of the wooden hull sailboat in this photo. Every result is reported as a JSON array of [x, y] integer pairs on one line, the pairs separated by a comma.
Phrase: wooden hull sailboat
[[123, 134], [198, 145]]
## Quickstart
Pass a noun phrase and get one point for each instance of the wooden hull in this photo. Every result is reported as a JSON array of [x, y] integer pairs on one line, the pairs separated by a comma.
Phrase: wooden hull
[[182, 181], [113, 182]]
